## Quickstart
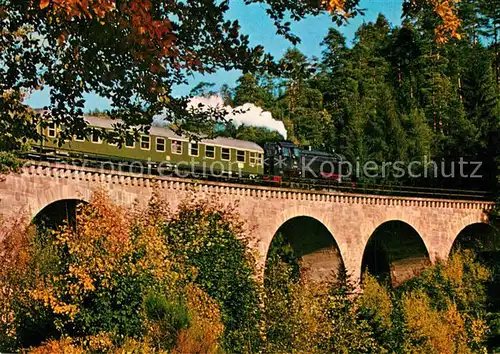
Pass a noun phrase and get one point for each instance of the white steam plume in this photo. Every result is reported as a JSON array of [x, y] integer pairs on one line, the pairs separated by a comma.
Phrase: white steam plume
[[248, 114]]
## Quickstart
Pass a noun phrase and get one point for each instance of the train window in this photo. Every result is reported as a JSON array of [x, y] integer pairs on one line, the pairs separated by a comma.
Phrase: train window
[[193, 149], [176, 147], [52, 130], [79, 137], [261, 159], [160, 144], [129, 141], [296, 152], [210, 152], [113, 139], [240, 156], [253, 158], [286, 152], [95, 138], [226, 154], [145, 142]]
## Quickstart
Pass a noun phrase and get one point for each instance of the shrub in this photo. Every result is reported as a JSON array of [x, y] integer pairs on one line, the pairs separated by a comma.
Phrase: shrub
[[24, 263], [430, 330], [61, 346], [107, 263], [347, 330], [166, 319], [9, 162], [312, 317], [112, 278], [211, 238], [153, 281], [206, 329], [440, 311], [461, 278]]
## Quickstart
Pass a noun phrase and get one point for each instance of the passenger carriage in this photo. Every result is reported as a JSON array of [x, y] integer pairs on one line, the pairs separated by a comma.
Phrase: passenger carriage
[[162, 149]]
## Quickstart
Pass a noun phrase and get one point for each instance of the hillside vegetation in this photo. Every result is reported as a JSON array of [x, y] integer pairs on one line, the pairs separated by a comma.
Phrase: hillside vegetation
[[157, 280]]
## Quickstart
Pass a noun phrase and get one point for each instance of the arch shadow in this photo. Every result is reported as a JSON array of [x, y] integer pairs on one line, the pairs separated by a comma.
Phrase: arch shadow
[[394, 253], [57, 213], [308, 246], [480, 237], [63, 192]]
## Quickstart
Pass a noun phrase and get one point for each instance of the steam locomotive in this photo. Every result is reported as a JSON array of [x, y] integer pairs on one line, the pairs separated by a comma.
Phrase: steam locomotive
[[287, 160]]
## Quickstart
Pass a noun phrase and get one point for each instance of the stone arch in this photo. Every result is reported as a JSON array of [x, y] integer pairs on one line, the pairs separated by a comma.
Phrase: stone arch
[[478, 236], [371, 225], [63, 192], [395, 251], [321, 255], [57, 213]]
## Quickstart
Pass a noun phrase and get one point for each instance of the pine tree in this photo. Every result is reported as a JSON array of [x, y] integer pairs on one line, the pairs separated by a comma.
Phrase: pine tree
[[481, 103], [249, 90], [491, 11], [419, 135], [404, 54], [374, 131], [336, 82]]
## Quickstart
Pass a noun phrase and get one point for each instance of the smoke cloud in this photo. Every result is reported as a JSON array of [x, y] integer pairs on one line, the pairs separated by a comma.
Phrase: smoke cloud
[[248, 114]]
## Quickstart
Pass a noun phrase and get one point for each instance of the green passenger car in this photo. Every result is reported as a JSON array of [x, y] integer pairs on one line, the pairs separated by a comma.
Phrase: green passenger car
[[167, 150]]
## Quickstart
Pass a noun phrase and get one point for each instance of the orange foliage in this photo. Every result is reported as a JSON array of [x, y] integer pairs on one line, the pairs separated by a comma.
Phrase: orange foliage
[[437, 331], [335, 5], [14, 252], [447, 11], [100, 343], [80, 8], [156, 37], [15, 238], [98, 250], [62, 346], [206, 329], [103, 244], [152, 35]]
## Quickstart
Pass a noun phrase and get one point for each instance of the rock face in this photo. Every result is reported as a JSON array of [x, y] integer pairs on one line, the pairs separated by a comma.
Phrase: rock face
[[349, 219]]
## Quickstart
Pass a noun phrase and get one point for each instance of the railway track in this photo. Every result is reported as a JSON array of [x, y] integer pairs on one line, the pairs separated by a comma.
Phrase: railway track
[[153, 169]]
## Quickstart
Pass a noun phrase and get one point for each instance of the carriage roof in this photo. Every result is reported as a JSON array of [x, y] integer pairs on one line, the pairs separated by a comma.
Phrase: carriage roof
[[169, 133]]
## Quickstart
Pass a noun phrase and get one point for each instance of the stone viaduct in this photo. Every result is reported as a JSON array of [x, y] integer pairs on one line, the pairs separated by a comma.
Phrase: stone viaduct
[[351, 219]]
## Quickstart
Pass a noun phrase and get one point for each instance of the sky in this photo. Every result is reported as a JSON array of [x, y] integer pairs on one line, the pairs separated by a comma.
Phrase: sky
[[261, 31]]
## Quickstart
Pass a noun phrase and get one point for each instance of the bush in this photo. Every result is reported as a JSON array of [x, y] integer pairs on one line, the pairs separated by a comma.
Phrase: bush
[[166, 319], [153, 281], [309, 317], [9, 162], [211, 239], [111, 279], [462, 279], [441, 331], [206, 330], [440, 311]]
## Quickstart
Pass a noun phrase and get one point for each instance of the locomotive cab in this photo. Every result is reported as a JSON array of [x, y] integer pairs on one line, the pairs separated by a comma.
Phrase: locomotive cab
[[282, 159]]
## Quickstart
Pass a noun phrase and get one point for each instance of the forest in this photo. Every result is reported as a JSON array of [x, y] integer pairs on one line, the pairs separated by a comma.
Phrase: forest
[[395, 94]]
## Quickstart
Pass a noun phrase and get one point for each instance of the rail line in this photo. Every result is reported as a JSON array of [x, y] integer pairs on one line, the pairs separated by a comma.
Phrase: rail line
[[293, 183]]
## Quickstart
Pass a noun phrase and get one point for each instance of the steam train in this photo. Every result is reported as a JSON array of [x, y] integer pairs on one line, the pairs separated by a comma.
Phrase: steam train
[[164, 150]]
